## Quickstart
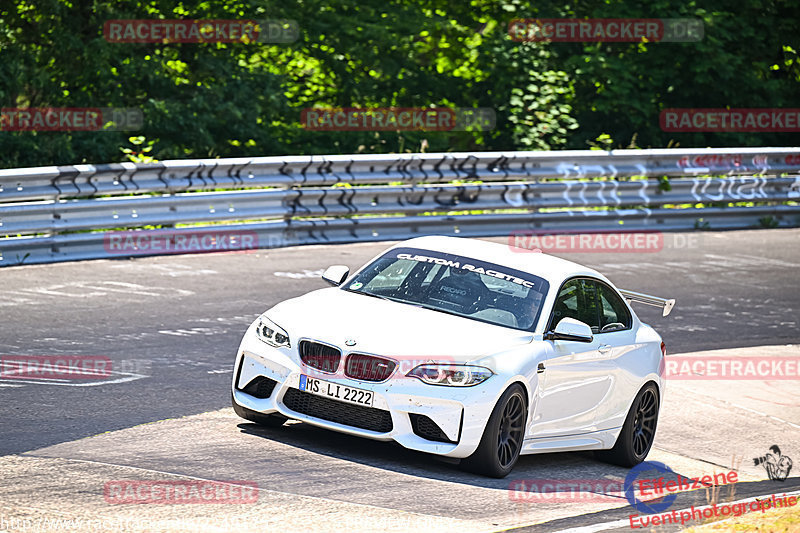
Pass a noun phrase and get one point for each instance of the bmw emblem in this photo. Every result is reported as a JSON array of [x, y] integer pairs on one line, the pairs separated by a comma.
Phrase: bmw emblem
[[350, 342]]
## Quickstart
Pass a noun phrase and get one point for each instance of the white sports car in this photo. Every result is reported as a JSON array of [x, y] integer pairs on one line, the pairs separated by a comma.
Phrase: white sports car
[[462, 348]]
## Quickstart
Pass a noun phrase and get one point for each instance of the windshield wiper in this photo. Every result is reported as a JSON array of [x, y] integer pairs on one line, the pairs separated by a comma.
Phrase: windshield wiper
[[415, 304], [441, 310], [377, 296]]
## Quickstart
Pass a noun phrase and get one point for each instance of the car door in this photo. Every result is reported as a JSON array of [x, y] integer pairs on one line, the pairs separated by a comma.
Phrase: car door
[[617, 343], [575, 375]]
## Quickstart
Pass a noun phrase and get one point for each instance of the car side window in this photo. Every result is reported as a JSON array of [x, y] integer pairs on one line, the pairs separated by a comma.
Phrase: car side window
[[614, 314], [577, 299]]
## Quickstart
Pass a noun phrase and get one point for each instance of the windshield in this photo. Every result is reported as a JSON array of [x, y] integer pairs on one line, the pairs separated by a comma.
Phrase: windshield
[[456, 285]]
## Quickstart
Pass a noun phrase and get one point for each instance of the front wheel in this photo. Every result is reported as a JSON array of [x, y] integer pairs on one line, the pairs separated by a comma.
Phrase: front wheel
[[636, 438], [502, 439]]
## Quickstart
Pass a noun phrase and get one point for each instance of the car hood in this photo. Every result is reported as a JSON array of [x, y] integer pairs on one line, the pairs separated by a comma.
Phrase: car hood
[[390, 328]]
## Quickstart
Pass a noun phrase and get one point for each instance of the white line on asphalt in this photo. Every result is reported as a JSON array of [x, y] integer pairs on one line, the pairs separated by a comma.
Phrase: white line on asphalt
[[90, 289], [19, 370], [705, 461], [760, 261], [618, 523], [126, 377], [192, 331], [8, 301], [596, 527], [297, 275]]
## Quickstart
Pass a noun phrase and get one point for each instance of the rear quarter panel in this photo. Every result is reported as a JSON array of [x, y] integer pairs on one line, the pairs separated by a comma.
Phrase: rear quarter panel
[[633, 369]]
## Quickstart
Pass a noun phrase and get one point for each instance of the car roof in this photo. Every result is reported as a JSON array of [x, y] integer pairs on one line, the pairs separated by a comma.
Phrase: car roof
[[549, 267]]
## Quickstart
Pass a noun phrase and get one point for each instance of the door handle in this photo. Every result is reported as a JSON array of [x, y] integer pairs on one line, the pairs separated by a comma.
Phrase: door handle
[[604, 348], [540, 368]]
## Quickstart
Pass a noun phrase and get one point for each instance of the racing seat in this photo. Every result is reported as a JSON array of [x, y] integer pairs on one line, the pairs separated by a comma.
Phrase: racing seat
[[460, 290], [561, 311]]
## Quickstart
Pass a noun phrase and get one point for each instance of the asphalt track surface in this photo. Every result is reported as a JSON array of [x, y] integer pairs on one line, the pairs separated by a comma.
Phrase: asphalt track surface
[[171, 325]]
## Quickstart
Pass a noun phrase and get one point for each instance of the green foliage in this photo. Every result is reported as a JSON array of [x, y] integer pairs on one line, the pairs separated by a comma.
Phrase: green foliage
[[702, 224], [139, 156], [747, 59], [245, 99], [602, 142], [768, 221]]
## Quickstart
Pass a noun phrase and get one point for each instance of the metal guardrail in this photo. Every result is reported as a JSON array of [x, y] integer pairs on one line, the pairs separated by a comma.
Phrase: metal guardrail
[[65, 213]]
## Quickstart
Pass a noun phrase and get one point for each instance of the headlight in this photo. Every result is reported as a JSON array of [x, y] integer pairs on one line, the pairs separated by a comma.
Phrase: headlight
[[271, 333], [451, 375]]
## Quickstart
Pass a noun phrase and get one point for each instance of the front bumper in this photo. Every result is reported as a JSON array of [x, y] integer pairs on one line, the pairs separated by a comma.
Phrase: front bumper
[[400, 403]]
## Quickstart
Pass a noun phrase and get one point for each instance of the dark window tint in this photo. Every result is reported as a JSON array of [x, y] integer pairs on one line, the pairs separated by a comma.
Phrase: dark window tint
[[614, 315], [577, 299], [456, 285]]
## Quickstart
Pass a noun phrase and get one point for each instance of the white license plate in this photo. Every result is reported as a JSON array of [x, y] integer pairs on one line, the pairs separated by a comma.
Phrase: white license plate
[[336, 391]]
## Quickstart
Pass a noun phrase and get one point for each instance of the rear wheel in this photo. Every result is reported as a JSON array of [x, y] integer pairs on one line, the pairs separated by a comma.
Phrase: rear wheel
[[636, 438], [501, 443], [272, 421]]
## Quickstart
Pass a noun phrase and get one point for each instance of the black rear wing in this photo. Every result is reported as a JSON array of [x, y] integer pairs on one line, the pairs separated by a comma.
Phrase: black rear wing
[[665, 304]]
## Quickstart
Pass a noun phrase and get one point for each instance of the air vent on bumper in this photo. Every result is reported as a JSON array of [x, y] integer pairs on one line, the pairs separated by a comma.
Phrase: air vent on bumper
[[346, 414], [260, 387], [426, 428]]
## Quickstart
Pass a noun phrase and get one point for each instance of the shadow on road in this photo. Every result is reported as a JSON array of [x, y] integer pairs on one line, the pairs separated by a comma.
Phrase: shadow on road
[[393, 457], [570, 466]]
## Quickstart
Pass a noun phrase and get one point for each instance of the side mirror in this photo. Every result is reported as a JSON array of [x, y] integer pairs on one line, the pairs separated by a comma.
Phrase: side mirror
[[570, 329], [336, 274]]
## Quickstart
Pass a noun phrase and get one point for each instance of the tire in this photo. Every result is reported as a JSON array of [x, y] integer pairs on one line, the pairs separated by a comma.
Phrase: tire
[[501, 443], [272, 421], [636, 438]]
